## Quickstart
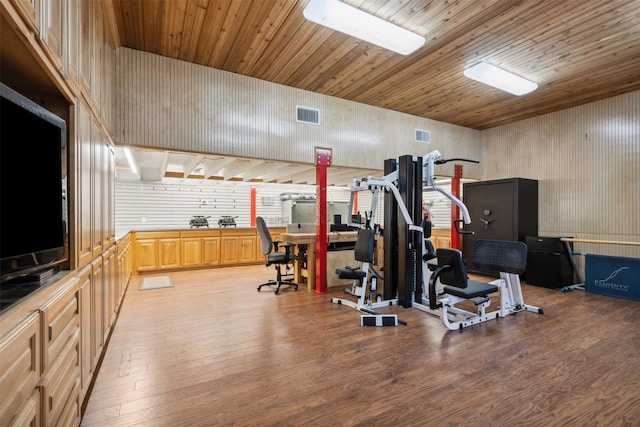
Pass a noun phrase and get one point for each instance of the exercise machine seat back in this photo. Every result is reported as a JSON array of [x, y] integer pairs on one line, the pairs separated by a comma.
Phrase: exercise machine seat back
[[453, 275], [506, 256], [363, 253]]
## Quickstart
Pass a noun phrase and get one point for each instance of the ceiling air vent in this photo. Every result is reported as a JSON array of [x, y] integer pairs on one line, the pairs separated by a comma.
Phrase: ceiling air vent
[[307, 115], [423, 136]]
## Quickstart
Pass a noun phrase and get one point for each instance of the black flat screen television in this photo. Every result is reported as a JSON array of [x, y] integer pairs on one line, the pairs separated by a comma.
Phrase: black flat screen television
[[33, 188]]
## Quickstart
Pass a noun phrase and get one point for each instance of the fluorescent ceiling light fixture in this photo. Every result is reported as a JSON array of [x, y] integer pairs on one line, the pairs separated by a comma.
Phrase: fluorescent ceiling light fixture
[[132, 162], [499, 78], [354, 22]]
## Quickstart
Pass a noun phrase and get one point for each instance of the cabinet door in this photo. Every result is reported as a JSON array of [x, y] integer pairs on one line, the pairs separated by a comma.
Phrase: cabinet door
[[96, 314], [109, 286], [55, 26], [20, 368], [84, 192], [86, 45], [145, 254], [211, 250], [60, 321], [60, 387], [97, 185], [230, 250], [248, 249], [191, 252], [169, 253], [86, 361], [30, 11]]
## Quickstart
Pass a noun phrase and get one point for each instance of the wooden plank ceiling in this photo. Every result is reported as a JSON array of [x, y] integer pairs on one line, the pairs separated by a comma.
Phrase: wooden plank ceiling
[[578, 51]]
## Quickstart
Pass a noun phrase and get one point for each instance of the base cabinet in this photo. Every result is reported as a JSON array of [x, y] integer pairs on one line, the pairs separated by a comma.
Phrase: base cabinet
[[210, 251], [174, 250], [20, 367], [60, 387], [199, 248]]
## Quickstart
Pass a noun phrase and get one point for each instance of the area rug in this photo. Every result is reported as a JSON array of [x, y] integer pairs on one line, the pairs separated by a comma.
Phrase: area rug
[[156, 282]]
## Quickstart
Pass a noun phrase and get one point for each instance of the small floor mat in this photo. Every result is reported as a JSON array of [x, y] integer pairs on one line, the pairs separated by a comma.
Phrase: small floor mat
[[156, 282]]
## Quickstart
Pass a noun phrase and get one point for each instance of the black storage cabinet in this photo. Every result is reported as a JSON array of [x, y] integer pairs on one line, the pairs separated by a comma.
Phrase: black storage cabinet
[[503, 209], [548, 262]]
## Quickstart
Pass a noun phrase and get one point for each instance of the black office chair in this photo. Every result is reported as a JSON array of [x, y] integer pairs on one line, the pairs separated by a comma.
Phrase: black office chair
[[272, 255]]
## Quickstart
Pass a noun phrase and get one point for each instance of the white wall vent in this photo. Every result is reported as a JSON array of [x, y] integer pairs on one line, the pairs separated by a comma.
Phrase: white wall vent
[[423, 136], [307, 115]]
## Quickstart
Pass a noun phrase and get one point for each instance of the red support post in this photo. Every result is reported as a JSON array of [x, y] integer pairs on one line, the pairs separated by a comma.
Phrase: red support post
[[253, 206], [323, 161], [355, 206], [455, 210]]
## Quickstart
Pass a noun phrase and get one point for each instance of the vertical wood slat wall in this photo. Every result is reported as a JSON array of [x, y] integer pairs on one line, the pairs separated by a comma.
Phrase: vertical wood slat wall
[[587, 162], [172, 104]]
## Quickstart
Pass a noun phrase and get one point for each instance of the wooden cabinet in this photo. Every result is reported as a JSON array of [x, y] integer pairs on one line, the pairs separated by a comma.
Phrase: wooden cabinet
[[60, 386], [51, 342], [54, 32], [60, 382], [20, 367], [199, 248], [157, 250], [86, 360], [173, 250], [211, 251], [60, 320], [230, 250], [146, 254], [238, 246], [248, 249], [191, 252], [84, 151], [123, 265], [97, 326], [109, 285], [440, 238], [169, 253], [29, 10]]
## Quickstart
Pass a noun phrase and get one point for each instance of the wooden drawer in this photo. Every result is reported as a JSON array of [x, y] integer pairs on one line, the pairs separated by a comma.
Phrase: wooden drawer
[[60, 385], [19, 368], [29, 414], [157, 235], [60, 320]]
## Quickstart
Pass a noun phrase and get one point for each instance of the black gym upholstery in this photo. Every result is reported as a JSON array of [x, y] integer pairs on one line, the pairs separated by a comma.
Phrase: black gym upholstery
[[363, 253], [273, 256], [452, 273]]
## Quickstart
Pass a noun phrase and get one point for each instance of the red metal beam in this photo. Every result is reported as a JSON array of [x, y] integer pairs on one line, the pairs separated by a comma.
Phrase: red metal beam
[[455, 210], [323, 161]]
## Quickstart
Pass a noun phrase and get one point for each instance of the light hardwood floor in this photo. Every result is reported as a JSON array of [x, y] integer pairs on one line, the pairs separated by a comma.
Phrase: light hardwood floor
[[212, 351]]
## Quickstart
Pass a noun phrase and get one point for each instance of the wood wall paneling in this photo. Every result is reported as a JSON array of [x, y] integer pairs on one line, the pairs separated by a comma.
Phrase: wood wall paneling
[[171, 104], [587, 161]]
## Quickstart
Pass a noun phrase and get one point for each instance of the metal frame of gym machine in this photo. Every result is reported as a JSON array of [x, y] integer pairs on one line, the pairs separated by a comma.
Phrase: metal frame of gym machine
[[404, 245], [401, 234]]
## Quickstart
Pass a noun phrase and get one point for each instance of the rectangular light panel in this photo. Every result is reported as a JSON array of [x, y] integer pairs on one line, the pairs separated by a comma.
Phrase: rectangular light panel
[[500, 79], [356, 23]]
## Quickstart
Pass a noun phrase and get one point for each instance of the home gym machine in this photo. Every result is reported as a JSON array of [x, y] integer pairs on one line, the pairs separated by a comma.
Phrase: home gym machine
[[407, 253], [405, 235]]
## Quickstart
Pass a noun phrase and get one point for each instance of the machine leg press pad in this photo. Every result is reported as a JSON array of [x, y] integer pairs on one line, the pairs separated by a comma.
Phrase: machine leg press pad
[[378, 320]]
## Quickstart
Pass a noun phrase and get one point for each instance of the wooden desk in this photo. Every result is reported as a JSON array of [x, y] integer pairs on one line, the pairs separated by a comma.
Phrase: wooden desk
[[305, 250]]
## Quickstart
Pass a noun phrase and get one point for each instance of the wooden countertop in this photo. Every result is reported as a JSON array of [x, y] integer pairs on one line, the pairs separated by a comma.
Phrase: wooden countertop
[[310, 238]]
